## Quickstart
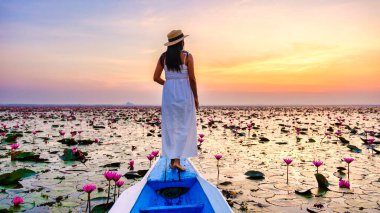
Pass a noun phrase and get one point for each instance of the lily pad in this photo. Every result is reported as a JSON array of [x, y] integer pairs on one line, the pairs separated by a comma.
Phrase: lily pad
[[102, 208], [11, 137], [27, 156], [322, 181], [116, 164], [255, 175], [68, 155], [343, 140], [354, 149], [22, 207], [263, 139], [142, 172], [15, 176], [68, 141], [85, 142], [304, 193]]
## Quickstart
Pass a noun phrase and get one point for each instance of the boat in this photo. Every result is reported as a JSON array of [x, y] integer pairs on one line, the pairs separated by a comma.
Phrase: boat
[[163, 189]]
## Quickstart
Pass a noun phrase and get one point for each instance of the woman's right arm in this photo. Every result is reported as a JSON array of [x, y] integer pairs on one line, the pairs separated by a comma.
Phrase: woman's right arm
[[157, 73], [193, 82]]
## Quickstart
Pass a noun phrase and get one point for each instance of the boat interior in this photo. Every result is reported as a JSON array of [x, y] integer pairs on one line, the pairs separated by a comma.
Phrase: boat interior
[[168, 190]]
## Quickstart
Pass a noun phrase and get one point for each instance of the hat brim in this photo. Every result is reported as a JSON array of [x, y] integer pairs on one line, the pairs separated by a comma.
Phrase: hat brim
[[176, 41]]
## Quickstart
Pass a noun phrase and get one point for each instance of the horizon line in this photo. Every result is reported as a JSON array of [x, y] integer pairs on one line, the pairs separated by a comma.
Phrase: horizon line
[[206, 105]]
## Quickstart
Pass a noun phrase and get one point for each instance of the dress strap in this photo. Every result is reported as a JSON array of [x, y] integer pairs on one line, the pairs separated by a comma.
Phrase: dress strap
[[184, 59]]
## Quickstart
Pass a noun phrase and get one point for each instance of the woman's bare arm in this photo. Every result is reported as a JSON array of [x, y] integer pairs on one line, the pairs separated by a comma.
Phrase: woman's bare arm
[[157, 73], [193, 82]]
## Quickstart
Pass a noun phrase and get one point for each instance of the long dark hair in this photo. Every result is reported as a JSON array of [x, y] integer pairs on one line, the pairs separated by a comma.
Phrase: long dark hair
[[172, 56]]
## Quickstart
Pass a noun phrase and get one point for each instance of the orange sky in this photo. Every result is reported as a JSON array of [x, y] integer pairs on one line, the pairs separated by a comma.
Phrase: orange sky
[[245, 52]]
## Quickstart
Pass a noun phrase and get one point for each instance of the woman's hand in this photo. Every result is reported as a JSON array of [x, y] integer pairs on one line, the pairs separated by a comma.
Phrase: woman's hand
[[196, 104]]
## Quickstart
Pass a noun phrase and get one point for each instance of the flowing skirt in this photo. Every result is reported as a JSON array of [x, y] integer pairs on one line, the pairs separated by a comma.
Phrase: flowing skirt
[[179, 122]]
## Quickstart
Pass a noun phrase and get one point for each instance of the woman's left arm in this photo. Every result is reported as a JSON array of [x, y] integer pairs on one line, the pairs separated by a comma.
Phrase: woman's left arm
[[157, 73]]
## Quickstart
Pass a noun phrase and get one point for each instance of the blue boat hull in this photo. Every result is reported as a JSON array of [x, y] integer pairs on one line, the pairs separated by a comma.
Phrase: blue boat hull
[[166, 190]]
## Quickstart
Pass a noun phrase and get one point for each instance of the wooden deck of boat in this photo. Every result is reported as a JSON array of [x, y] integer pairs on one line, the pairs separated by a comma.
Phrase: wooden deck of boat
[[163, 176]]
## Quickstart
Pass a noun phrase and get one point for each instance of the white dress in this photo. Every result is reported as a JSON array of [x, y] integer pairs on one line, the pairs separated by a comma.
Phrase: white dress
[[179, 122]]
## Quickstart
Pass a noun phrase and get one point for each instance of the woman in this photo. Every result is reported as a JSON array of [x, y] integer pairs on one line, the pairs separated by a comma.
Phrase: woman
[[179, 101]]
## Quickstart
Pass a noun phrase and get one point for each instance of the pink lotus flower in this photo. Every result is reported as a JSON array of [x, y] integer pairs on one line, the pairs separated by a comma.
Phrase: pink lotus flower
[[74, 150], [288, 161], [218, 156], [89, 188], [327, 133], [201, 140], [3, 134], [17, 201], [344, 184], [117, 177], [201, 135], [109, 175], [119, 183], [298, 130], [15, 146], [370, 140], [317, 163], [34, 132], [96, 140], [338, 133], [131, 164], [62, 133], [348, 160], [150, 157], [155, 153], [73, 133]]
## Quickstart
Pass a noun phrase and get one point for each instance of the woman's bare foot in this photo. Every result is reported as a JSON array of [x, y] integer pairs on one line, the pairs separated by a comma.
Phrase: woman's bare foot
[[171, 164], [177, 164]]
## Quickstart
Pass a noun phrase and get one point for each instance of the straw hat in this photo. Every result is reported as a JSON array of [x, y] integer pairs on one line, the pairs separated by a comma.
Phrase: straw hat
[[174, 37]]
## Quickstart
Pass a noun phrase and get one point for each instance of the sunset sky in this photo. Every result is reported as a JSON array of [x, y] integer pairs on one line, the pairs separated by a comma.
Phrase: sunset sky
[[245, 52]]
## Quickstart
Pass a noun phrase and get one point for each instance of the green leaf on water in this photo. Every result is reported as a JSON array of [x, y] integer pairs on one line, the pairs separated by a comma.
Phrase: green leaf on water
[[322, 181], [254, 175], [343, 140], [68, 155], [304, 193], [102, 208], [354, 149], [27, 156], [15, 176], [68, 141], [142, 172], [115, 164]]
